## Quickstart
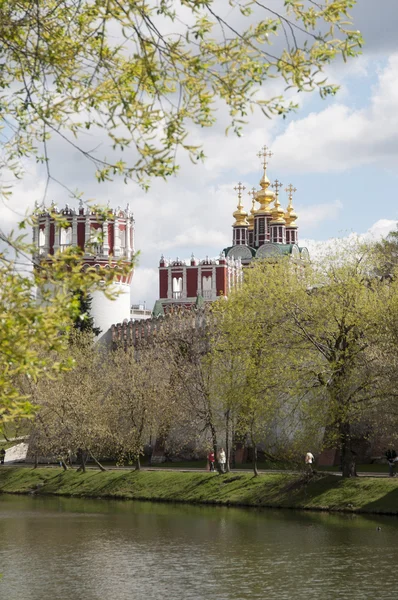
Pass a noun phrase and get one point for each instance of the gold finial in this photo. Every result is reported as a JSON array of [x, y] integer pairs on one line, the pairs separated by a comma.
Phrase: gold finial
[[290, 215], [240, 215], [277, 212], [250, 218], [264, 154], [264, 196]]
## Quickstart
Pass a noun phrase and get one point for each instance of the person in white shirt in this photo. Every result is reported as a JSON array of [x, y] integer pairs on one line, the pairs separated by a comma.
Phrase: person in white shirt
[[309, 459], [222, 460]]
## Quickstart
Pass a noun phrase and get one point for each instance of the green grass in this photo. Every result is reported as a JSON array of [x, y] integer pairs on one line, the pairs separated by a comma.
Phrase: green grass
[[323, 492]]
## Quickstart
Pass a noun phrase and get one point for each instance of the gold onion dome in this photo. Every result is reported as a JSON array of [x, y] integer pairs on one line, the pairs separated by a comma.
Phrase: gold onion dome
[[250, 218], [278, 214], [240, 214], [290, 215], [264, 196]]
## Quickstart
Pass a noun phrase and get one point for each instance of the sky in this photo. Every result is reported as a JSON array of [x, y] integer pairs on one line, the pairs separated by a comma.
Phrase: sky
[[341, 154]]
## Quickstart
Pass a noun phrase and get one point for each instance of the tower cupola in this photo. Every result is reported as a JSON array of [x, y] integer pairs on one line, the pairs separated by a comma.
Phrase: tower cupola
[[250, 218], [240, 227], [291, 217], [278, 224], [265, 197]]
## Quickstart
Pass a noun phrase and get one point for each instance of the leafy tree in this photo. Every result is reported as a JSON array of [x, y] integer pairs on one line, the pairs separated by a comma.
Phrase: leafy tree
[[386, 255], [327, 322], [139, 401], [73, 419], [30, 333]]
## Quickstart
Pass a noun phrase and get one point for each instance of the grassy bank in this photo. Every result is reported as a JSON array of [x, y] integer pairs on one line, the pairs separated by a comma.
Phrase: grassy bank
[[324, 492]]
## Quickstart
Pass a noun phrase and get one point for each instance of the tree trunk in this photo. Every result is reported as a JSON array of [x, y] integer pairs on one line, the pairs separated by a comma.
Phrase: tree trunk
[[138, 463], [227, 449], [254, 444], [97, 462], [36, 464], [215, 447], [82, 457], [348, 465], [255, 469], [63, 464]]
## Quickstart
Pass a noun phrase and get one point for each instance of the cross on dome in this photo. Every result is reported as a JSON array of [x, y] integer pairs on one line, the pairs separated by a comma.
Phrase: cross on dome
[[277, 185], [265, 154], [290, 190], [239, 188]]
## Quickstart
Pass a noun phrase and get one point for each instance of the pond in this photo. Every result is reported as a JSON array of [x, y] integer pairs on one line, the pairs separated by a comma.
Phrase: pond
[[72, 549]]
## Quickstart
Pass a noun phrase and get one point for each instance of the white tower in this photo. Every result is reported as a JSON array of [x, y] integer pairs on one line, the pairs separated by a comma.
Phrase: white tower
[[115, 242]]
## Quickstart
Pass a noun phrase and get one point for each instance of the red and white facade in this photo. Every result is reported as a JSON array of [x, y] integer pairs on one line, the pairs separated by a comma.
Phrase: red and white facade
[[103, 242], [182, 282]]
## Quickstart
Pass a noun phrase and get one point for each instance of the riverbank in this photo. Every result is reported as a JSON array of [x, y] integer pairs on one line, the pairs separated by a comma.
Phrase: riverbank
[[276, 490]]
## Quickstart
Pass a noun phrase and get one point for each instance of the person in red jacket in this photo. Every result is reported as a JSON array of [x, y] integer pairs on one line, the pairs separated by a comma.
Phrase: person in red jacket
[[211, 459]]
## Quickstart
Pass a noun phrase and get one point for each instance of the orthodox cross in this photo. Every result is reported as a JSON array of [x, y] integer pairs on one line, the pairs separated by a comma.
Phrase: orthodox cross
[[252, 193], [277, 185], [290, 190], [239, 188], [265, 154]]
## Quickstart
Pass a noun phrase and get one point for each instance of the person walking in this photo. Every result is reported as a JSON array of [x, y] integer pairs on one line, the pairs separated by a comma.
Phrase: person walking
[[309, 460], [391, 457], [211, 460], [222, 459]]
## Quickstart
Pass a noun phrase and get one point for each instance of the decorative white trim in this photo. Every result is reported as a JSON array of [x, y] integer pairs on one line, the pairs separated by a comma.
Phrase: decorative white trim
[[105, 238], [199, 285], [169, 285], [74, 230], [87, 233], [184, 282], [116, 238]]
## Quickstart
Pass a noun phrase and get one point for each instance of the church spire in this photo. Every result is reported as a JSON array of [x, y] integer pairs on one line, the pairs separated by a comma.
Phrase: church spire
[[291, 217], [241, 225]]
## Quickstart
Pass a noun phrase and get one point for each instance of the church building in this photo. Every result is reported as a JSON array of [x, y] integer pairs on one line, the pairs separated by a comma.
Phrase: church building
[[268, 230]]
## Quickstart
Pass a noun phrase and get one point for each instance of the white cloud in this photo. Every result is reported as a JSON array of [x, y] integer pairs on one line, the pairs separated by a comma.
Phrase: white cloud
[[339, 138], [313, 215], [198, 237]]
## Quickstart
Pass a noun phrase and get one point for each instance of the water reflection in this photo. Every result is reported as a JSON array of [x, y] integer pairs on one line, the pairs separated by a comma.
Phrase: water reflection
[[69, 549]]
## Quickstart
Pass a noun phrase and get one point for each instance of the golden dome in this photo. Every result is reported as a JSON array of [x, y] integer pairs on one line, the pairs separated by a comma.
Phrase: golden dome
[[240, 214], [278, 214], [264, 196], [250, 218], [290, 215]]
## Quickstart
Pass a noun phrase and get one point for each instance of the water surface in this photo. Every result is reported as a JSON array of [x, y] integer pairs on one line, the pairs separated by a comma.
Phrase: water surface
[[71, 549]]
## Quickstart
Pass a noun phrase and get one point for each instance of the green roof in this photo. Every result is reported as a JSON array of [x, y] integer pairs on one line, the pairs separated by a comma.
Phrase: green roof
[[158, 309], [252, 250], [199, 301]]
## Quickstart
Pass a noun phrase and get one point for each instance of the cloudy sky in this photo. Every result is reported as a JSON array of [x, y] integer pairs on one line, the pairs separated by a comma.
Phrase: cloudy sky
[[341, 154]]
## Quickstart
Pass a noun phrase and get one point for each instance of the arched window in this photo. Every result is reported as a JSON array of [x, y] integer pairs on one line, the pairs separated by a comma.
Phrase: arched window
[[95, 244], [177, 287], [65, 237], [42, 239], [206, 286], [122, 236]]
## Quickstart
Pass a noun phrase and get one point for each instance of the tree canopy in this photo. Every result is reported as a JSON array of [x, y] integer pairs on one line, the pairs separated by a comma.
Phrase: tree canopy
[[146, 71]]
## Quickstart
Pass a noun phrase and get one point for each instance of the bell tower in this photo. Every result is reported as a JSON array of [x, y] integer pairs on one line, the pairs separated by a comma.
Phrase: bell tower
[[104, 242]]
